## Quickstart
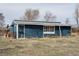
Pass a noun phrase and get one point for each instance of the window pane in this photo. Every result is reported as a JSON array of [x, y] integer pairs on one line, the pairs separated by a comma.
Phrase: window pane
[[48, 28]]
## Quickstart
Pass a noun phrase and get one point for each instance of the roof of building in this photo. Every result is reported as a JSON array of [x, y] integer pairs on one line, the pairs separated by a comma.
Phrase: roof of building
[[44, 23]]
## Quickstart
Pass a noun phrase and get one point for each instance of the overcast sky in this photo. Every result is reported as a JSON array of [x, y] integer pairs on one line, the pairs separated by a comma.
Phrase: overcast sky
[[15, 11]]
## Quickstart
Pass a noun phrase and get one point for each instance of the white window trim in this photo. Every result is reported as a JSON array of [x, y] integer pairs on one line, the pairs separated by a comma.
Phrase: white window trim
[[48, 32]]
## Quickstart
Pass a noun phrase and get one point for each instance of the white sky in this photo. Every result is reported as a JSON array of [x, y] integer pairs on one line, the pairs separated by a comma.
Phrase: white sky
[[13, 11]]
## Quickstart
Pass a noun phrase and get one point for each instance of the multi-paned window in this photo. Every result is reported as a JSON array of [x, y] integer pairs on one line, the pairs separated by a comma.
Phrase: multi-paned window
[[48, 28]]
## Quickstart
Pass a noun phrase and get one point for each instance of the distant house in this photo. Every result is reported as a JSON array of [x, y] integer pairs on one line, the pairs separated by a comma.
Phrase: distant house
[[39, 29]]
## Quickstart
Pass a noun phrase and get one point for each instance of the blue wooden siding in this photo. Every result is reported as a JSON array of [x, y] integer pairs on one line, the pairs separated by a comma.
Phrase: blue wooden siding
[[37, 31], [33, 31], [20, 31], [57, 32], [30, 31], [65, 30], [13, 30]]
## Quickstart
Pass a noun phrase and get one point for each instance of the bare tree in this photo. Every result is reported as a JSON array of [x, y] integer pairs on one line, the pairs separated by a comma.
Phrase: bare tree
[[77, 17], [1, 20], [35, 14], [31, 15], [49, 16], [77, 14]]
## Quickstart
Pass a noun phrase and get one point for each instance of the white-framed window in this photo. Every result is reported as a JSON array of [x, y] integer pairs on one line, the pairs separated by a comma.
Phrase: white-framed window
[[49, 28]]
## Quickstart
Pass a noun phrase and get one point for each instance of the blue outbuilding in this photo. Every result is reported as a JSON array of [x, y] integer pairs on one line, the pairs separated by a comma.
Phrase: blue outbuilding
[[39, 29]]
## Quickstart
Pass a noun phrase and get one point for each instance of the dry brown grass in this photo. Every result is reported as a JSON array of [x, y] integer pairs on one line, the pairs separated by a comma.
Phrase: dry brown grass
[[64, 46]]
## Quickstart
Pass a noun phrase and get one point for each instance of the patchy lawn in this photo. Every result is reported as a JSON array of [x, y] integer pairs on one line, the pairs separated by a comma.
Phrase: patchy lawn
[[40, 47]]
